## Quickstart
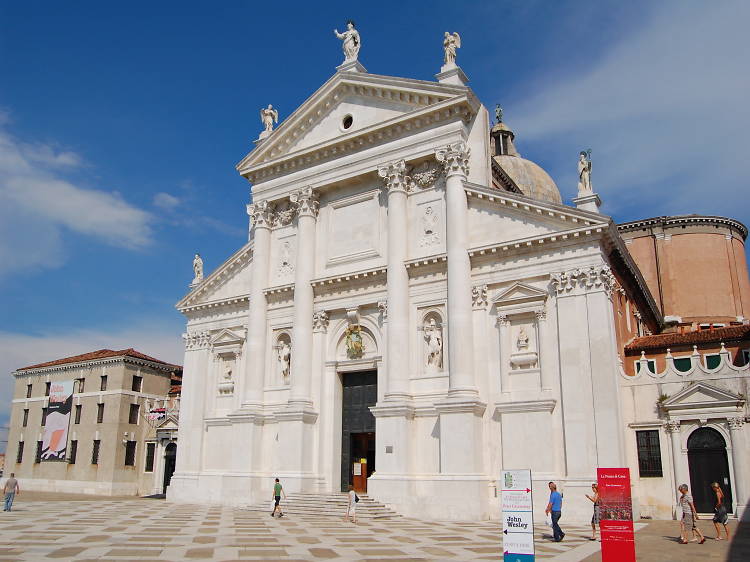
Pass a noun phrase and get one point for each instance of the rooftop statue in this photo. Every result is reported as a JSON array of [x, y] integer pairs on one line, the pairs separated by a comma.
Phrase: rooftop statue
[[584, 172], [197, 269], [269, 116], [450, 44], [498, 113], [351, 41]]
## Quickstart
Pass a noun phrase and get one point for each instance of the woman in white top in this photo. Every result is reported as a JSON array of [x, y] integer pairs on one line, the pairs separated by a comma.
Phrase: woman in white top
[[351, 507]]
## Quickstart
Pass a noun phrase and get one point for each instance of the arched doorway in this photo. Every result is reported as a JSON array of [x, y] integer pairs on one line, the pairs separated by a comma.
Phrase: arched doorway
[[170, 456], [707, 460]]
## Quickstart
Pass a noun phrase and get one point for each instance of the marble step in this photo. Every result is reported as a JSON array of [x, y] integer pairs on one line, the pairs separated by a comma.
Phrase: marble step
[[332, 505]]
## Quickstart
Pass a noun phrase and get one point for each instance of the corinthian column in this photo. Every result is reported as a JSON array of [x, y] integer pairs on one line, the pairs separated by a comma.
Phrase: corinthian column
[[455, 159], [739, 462], [261, 215], [394, 177], [307, 211]]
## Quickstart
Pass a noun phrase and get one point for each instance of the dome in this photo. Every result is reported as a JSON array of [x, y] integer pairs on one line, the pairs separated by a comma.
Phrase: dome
[[530, 178]]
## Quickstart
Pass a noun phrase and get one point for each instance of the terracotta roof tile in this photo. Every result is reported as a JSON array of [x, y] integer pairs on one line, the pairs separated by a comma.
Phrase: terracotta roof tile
[[663, 341], [99, 354]]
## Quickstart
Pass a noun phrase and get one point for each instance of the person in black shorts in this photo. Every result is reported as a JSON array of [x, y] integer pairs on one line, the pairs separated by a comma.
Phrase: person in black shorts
[[720, 512], [278, 490]]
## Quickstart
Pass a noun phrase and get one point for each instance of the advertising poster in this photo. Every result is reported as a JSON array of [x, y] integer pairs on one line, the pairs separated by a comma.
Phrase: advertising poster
[[616, 522], [518, 516], [55, 437]]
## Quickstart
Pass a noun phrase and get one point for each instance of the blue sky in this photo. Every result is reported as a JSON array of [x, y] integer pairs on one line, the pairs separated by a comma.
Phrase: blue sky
[[121, 124]]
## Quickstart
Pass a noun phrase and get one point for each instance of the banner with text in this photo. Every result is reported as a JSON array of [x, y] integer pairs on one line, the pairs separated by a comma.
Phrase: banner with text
[[55, 438], [518, 516], [616, 520]]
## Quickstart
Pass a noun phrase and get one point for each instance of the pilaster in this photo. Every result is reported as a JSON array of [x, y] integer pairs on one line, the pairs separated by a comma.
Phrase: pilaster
[[739, 463]]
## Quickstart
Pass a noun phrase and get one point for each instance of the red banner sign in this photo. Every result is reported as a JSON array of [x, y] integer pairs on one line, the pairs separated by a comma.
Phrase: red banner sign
[[616, 515]]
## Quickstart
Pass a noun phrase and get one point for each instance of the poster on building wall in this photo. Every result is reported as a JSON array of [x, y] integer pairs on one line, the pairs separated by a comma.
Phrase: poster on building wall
[[55, 438], [616, 515], [518, 516]]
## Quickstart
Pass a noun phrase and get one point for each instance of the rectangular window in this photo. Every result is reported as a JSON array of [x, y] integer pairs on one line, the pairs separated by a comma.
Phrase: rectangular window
[[77, 418], [99, 413], [150, 454], [133, 418], [651, 366], [19, 453], [137, 383], [25, 417], [130, 453], [95, 451], [81, 384], [73, 452], [46, 388], [38, 456], [683, 364], [103, 383], [28, 390], [44, 417], [712, 360], [649, 453]]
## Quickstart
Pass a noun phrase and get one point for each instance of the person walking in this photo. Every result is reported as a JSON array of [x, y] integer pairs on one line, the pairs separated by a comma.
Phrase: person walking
[[278, 490], [10, 490], [597, 509], [554, 509], [351, 506], [720, 512], [689, 517]]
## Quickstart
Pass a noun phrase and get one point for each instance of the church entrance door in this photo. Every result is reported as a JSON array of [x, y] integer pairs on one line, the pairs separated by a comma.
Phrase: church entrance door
[[170, 458], [358, 429], [707, 460]]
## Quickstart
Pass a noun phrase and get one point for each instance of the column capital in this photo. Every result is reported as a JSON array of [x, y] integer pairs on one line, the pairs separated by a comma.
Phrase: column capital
[[503, 320], [261, 214], [540, 314], [735, 424], [672, 426], [320, 321], [305, 201], [394, 176], [455, 158], [196, 340]]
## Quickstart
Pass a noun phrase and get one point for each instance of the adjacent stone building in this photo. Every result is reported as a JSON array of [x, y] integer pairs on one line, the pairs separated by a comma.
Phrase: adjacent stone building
[[121, 429]]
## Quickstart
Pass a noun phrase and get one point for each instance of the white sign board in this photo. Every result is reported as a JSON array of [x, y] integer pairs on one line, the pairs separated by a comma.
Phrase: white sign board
[[518, 516]]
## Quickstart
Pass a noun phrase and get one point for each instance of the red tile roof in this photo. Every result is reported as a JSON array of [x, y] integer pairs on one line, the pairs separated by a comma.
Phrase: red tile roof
[[663, 341], [99, 354]]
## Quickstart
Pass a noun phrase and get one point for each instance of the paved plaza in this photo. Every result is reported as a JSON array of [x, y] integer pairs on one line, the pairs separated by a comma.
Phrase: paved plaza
[[45, 526]]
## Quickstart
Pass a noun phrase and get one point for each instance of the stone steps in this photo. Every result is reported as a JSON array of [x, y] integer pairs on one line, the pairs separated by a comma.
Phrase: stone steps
[[327, 505]]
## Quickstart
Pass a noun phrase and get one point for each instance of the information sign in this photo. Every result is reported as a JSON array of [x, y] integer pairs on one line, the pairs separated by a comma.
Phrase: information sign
[[616, 515], [518, 516]]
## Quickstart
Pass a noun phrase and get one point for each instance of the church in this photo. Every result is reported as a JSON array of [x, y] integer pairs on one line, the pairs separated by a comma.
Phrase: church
[[416, 309]]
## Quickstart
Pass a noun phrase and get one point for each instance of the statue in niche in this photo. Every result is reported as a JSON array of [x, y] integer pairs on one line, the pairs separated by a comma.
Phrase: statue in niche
[[434, 338], [285, 357], [522, 343], [451, 43], [197, 269], [228, 371], [429, 228], [269, 116], [285, 260], [351, 41], [584, 172], [355, 345]]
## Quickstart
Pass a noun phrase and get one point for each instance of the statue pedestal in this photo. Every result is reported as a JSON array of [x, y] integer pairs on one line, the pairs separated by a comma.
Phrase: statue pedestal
[[351, 66], [589, 202], [452, 74]]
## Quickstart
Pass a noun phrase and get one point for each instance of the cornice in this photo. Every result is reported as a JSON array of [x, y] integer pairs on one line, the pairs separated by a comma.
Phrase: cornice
[[95, 362], [511, 246], [684, 220], [216, 304], [345, 277]]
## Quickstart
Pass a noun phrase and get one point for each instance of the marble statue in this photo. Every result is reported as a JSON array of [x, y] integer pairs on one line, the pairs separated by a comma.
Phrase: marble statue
[[269, 116], [584, 172], [434, 344], [285, 357], [523, 339], [450, 44], [351, 41], [197, 269]]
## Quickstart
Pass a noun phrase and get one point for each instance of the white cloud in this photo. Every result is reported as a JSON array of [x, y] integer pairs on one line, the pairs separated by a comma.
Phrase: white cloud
[[38, 203], [20, 350], [166, 201], [665, 112]]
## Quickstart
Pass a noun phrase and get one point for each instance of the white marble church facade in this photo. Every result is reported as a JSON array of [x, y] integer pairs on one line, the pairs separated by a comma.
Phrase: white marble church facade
[[380, 217]]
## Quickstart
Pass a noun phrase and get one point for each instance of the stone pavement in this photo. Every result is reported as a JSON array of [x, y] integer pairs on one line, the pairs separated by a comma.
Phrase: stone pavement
[[55, 526], [46, 526]]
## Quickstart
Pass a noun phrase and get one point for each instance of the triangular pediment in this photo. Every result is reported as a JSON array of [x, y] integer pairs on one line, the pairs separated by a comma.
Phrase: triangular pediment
[[370, 99], [227, 336], [520, 293], [702, 395], [170, 422]]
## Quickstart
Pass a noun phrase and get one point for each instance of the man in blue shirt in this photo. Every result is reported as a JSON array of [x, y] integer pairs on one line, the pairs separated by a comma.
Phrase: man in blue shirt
[[554, 507]]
